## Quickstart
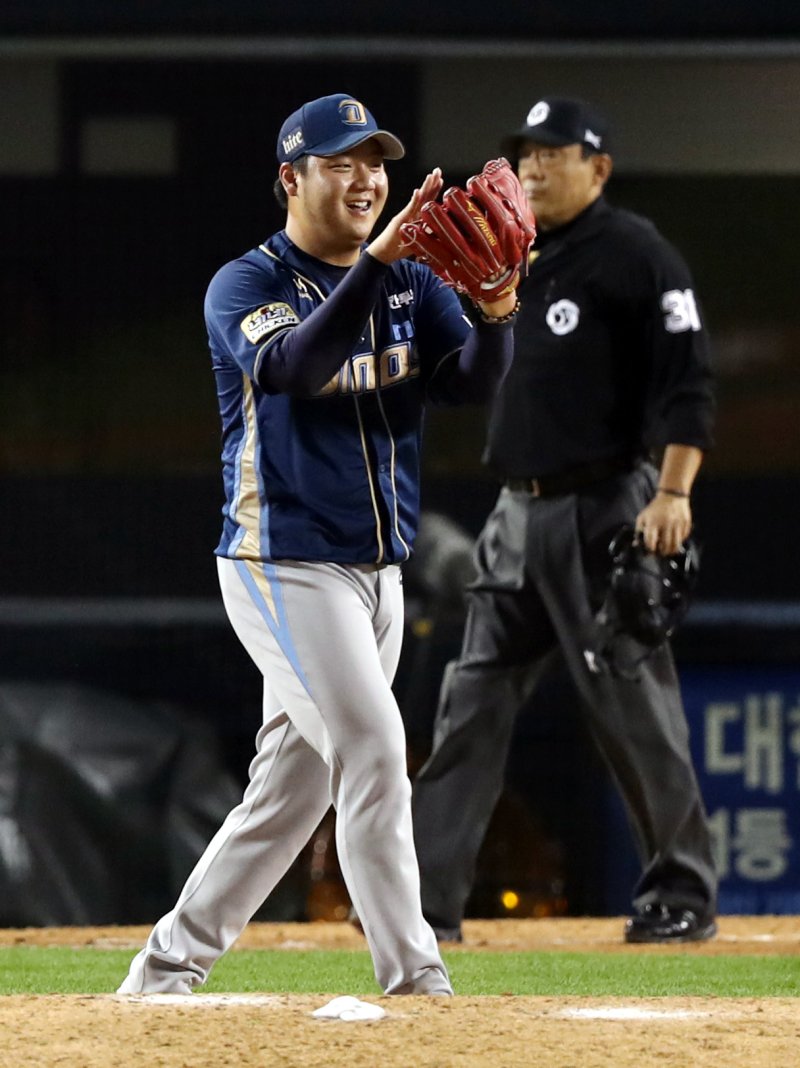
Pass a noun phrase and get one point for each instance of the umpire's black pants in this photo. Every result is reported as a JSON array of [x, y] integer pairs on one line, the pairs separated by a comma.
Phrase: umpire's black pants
[[542, 566]]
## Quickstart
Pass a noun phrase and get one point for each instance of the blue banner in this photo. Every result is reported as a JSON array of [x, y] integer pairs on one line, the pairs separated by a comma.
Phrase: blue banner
[[745, 737]]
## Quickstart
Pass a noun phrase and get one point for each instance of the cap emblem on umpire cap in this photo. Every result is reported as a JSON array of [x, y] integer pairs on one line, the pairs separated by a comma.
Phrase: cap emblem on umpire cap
[[538, 113], [330, 125]]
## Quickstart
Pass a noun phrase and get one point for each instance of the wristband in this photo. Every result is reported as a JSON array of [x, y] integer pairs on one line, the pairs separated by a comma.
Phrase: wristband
[[495, 320], [671, 492]]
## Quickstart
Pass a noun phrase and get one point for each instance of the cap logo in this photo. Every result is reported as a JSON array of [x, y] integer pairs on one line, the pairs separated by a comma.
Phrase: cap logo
[[352, 113], [292, 140], [538, 113], [593, 138]]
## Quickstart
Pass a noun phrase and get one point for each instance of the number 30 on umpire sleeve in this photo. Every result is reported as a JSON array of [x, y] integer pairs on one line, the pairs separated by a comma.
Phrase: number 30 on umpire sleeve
[[680, 311]]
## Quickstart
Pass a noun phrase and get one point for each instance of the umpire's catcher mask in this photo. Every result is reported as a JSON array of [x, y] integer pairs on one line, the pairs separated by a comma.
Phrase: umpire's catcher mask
[[648, 596]]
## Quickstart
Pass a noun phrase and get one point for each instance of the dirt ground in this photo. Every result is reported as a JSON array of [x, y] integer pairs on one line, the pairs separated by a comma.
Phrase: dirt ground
[[245, 1031]]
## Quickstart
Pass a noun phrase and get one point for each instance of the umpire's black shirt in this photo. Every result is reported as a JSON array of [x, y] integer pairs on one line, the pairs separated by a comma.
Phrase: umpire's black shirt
[[610, 354]]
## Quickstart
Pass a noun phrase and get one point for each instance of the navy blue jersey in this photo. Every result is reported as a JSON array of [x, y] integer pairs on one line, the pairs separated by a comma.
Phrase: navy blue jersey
[[334, 475]]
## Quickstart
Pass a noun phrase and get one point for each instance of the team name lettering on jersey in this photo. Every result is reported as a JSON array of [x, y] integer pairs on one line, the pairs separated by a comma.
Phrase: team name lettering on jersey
[[397, 300], [265, 320], [365, 373]]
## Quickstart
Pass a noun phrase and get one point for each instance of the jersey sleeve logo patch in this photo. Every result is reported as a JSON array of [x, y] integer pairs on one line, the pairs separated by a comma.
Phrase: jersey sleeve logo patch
[[267, 319]]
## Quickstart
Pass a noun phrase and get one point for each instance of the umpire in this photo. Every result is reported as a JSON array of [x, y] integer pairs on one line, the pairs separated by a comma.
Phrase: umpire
[[602, 421]]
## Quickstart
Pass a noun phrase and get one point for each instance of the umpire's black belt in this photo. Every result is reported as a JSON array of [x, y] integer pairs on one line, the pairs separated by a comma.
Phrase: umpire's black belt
[[572, 480]]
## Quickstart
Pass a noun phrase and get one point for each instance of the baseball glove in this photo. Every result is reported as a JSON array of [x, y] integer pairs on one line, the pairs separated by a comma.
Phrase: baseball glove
[[475, 241]]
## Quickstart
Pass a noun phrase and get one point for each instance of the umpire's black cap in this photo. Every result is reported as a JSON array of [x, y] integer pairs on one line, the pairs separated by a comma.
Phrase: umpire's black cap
[[559, 120]]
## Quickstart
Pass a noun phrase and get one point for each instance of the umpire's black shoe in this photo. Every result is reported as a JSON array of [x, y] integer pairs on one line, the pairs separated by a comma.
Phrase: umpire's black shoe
[[444, 932], [447, 934], [664, 923]]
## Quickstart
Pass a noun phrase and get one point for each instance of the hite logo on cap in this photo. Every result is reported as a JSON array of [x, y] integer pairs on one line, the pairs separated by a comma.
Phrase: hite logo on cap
[[292, 140], [353, 113], [538, 113], [593, 138]]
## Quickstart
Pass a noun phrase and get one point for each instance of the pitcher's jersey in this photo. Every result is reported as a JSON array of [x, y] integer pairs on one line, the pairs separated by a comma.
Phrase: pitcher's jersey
[[332, 477]]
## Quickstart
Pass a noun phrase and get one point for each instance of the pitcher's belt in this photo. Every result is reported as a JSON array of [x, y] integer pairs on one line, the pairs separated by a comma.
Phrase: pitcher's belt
[[572, 480]]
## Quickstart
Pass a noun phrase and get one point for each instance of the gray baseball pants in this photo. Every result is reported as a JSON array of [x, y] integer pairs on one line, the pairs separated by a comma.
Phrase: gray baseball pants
[[542, 568], [327, 640]]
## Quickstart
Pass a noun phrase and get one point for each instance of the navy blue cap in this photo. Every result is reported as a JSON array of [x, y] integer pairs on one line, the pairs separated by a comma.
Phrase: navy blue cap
[[558, 120], [330, 125]]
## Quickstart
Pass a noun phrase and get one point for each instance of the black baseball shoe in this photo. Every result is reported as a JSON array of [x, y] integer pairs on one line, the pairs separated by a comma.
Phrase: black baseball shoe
[[667, 923], [447, 934]]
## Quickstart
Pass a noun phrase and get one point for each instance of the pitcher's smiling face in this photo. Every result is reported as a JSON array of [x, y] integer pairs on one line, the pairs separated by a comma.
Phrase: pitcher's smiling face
[[335, 201]]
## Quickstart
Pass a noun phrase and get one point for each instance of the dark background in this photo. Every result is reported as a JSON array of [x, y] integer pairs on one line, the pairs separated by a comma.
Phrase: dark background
[[542, 18]]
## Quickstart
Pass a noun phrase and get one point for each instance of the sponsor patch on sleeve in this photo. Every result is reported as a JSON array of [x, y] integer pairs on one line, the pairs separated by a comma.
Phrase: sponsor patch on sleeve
[[265, 320]]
